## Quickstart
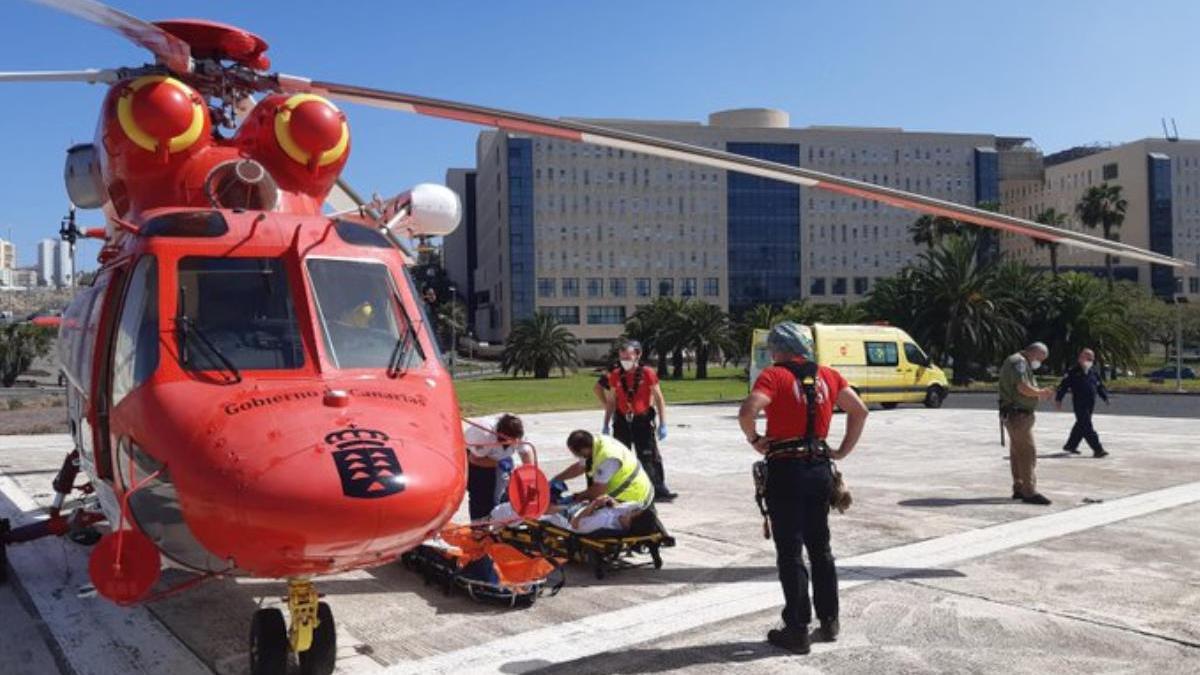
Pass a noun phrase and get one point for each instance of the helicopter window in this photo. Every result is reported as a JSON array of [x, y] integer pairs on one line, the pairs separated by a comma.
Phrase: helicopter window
[[186, 224], [135, 355], [359, 235], [362, 319], [238, 315]]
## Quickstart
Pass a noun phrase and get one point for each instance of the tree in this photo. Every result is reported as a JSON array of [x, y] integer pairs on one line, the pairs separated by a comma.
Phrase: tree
[[1086, 313], [660, 327], [706, 331], [1102, 206], [539, 345], [930, 230], [20, 344], [1052, 217], [758, 317], [963, 316]]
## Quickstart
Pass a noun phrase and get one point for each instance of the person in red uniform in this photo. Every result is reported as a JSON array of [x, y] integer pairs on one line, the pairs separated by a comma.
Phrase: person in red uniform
[[800, 477], [636, 412]]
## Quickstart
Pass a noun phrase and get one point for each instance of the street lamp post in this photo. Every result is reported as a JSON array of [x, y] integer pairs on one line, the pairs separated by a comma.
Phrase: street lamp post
[[1179, 300]]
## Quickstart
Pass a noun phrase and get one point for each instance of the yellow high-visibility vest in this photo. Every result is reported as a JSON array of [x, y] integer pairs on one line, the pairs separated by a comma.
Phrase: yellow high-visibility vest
[[629, 484]]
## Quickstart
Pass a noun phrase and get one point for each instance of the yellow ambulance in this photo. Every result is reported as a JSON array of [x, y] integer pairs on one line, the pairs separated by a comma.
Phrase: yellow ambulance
[[882, 363]]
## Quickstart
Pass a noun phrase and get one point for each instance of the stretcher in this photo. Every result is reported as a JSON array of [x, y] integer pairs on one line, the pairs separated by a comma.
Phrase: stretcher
[[602, 550], [483, 567]]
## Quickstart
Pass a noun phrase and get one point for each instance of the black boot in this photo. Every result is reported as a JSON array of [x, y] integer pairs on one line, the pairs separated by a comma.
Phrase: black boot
[[1100, 453], [828, 632], [795, 640]]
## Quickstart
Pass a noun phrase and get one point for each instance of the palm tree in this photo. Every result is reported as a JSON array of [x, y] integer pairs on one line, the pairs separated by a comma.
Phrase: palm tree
[[539, 345], [1086, 313], [1051, 216], [964, 314], [1102, 206], [707, 332], [930, 230], [658, 326]]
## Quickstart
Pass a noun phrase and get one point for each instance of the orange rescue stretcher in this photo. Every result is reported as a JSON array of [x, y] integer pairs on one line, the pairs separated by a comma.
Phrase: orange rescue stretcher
[[486, 568]]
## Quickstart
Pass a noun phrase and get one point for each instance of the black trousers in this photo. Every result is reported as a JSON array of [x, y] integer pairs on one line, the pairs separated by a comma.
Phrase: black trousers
[[1083, 430], [481, 491], [641, 435], [798, 504]]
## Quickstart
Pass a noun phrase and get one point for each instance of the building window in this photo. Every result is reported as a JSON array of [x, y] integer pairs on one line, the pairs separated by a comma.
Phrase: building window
[[839, 286], [689, 287], [642, 287], [570, 287], [712, 287], [881, 353], [564, 314], [1109, 171], [546, 287], [595, 287], [666, 288], [1194, 285], [606, 316], [817, 286], [616, 287], [860, 285]]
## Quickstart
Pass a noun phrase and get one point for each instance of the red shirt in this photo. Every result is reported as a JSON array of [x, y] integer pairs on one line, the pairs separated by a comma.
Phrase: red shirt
[[787, 416], [641, 397]]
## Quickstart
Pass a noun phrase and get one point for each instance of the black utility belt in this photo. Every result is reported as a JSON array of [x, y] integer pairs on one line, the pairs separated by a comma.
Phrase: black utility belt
[[640, 417], [799, 448]]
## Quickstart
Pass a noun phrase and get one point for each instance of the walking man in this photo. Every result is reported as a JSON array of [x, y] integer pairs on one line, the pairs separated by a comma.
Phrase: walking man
[[1085, 385], [636, 412], [796, 393], [1019, 397]]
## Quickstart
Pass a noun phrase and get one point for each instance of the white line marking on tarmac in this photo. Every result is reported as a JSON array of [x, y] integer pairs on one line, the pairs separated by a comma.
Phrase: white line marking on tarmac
[[95, 636], [653, 620]]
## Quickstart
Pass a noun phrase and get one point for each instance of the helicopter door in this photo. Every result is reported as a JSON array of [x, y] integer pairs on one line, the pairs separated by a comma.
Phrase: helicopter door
[[100, 336]]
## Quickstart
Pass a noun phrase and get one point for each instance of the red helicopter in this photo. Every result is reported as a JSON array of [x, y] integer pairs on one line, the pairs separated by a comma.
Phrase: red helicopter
[[253, 388]]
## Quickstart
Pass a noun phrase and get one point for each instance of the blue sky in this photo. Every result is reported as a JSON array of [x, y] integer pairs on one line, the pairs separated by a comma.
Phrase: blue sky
[[1065, 72]]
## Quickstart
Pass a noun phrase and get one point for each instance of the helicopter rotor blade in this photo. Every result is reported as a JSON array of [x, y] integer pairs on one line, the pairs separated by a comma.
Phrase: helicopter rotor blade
[[91, 76], [170, 50], [719, 159]]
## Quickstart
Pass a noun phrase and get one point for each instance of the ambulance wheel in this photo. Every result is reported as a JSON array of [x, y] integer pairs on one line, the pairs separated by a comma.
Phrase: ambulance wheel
[[934, 397], [268, 643], [891, 405], [656, 557], [320, 657]]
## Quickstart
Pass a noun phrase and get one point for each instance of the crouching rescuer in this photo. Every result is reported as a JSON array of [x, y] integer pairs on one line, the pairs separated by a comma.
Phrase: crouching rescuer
[[798, 397]]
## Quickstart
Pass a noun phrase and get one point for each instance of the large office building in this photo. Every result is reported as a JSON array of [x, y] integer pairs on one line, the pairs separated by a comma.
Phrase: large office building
[[1160, 181], [55, 266], [8, 255], [590, 233]]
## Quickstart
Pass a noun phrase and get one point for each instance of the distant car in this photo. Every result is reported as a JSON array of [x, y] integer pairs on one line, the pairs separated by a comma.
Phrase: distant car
[[1168, 373]]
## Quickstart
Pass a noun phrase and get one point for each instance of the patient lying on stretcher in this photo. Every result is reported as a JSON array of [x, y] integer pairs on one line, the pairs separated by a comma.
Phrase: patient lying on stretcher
[[600, 514]]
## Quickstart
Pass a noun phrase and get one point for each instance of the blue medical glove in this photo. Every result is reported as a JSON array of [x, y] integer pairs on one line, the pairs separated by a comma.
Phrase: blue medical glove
[[607, 430], [662, 432], [505, 465]]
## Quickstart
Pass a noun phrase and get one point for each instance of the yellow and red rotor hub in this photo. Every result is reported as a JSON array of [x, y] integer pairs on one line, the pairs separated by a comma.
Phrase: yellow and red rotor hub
[[311, 130]]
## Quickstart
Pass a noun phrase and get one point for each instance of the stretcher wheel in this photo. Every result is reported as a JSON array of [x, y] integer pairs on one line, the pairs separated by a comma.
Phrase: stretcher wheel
[[268, 643], [656, 557], [597, 562], [321, 656]]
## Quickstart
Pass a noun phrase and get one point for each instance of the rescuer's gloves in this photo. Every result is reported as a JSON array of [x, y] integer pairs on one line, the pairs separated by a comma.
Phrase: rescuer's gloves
[[662, 432]]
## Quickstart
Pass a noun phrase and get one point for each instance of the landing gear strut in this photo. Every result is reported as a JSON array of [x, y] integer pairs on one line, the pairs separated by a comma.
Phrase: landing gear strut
[[312, 635]]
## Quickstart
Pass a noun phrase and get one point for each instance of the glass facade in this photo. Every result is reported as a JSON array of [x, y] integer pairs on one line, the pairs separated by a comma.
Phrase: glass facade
[[520, 227], [763, 231], [1158, 175], [987, 192]]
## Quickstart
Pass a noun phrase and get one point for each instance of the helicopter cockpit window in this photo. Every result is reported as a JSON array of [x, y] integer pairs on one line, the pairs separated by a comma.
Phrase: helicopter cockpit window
[[235, 314], [186, 224], [362, 319], [359, 235], [135, 354]]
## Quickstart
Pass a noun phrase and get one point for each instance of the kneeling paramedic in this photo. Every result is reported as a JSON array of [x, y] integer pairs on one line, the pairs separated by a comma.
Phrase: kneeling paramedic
[[614, 469], [490, 447], [798, 397]]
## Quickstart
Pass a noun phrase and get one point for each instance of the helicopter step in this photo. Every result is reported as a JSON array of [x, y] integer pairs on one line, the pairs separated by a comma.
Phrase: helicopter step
[[312, 635]]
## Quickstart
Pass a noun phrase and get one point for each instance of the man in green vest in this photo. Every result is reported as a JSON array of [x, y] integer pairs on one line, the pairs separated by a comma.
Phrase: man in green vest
[[613, 468], [1019, 397]]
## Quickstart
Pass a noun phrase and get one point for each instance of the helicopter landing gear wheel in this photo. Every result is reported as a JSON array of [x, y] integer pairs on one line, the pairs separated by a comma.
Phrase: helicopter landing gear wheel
[[268, 643], [322, 654]]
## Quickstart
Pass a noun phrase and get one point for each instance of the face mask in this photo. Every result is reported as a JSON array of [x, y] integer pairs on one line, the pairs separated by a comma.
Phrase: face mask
[[1086, 365], [628, 364], [1035, 364]]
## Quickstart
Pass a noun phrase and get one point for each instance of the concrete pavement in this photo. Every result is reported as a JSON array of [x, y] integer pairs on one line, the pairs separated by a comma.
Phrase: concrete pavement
[[941, 571]]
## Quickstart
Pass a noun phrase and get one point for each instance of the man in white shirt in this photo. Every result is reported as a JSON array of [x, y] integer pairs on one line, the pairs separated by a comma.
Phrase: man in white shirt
[[489, 460]]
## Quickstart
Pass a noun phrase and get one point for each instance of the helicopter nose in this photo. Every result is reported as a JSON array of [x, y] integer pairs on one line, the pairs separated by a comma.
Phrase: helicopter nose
[[357, 498]]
